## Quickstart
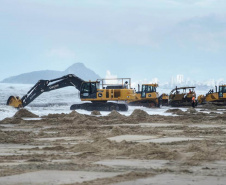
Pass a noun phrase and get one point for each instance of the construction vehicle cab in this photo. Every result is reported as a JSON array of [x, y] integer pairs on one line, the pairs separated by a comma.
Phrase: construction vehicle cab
[[148, 90], [89, 90], [218, 97], [147, 97], [181, 96], [222, 92]]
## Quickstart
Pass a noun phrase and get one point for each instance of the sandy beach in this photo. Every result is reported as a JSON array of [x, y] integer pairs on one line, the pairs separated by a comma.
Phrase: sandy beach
[[187, 147]]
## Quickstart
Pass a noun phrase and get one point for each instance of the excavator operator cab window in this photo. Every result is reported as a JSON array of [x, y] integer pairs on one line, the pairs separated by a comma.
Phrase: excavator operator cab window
[[85, 87], [88, 90]]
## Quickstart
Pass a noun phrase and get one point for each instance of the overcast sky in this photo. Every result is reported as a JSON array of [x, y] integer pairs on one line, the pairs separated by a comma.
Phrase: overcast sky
[[141, 39]]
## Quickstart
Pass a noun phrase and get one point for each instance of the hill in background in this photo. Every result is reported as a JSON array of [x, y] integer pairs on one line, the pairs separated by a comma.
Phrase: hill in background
[[78, 69]]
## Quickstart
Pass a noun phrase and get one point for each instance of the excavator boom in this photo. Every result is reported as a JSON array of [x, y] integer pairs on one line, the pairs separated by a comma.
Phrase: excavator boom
[[45, 86]]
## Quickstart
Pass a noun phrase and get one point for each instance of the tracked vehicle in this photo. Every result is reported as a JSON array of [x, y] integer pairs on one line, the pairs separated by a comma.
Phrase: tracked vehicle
[[101, 96], [181, 96], [217, 98], [147, 97]]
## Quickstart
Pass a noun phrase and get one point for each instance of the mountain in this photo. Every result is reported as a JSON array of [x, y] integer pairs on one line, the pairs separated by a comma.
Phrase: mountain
[[78, 69]]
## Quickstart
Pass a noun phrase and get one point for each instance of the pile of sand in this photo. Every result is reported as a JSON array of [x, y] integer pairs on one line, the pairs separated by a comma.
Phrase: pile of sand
[[72, 118], [139, 115], [55, 115], [25, 113], [74, 114], [115, 115], [17, 118], [77, 116]]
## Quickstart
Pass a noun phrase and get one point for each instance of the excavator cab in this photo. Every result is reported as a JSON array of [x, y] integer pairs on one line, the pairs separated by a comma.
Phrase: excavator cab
[[89, 90]]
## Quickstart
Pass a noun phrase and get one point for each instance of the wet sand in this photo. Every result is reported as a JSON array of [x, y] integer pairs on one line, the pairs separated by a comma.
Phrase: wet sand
[[188, 147]]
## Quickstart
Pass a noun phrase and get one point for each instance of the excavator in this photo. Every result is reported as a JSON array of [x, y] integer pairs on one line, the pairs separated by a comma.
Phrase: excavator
[[99, 93], [180, 97], [147, 97], [216, 98]]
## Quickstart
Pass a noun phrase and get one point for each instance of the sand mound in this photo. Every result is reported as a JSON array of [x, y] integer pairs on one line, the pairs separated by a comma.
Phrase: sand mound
[[95, 112], [115, 115], [25, 113], [54, 115], [139, 114], [176, 111], [76, 116], [73, 114]]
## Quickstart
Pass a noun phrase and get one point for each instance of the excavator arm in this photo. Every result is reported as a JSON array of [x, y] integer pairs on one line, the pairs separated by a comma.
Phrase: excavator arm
[[45, 86]]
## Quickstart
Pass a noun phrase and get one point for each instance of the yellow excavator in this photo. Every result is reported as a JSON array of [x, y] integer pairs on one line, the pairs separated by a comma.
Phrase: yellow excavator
[[147, 97], [99, 93], [180, 97], [217, 97]]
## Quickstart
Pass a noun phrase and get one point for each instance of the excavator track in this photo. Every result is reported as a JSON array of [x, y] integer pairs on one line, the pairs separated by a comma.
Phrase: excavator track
[[100, 106]]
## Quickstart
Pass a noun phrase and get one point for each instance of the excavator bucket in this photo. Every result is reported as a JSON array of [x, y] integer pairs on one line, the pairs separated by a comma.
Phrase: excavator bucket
[[14, 101]]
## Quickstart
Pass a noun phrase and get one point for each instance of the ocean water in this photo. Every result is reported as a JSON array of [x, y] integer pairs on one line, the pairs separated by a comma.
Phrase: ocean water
[[59, 101]]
